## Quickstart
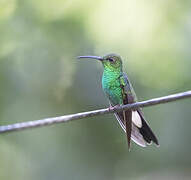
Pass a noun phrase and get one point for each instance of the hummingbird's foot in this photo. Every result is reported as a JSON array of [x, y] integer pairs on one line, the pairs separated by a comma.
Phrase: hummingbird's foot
[[111, 108]]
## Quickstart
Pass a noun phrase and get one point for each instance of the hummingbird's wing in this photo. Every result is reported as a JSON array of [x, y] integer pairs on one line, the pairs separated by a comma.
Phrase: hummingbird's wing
[[139, 131], [126, 115]]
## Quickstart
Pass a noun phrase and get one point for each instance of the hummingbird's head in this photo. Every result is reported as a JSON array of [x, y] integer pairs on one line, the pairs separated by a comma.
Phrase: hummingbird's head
[[112, 61], [109, 61]]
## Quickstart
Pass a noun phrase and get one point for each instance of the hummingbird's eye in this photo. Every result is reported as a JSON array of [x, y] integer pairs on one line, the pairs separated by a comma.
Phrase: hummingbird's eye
[[111, 59]]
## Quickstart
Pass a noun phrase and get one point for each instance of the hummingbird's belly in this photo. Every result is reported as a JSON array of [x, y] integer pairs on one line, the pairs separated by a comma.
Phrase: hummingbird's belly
[[114, 95]]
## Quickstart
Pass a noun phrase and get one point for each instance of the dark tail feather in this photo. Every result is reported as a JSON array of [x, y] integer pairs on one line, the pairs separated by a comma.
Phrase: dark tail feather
[[127, 115], [146, 131]]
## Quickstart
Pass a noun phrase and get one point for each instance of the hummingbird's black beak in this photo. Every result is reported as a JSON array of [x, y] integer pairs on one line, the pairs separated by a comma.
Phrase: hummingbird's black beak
[[91, 57]]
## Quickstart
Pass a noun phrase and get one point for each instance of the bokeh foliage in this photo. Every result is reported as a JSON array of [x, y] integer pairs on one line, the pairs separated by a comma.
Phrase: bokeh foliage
[[40, 77]]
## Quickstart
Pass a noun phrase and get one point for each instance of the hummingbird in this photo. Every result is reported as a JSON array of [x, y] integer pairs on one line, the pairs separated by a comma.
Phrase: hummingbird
[[118, 89]]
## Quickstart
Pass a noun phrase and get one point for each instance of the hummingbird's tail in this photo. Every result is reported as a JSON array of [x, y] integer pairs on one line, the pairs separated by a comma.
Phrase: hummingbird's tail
[[141, 133]]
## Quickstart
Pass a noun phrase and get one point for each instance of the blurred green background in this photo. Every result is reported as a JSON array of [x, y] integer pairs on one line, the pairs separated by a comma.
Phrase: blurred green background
[[40, 77]]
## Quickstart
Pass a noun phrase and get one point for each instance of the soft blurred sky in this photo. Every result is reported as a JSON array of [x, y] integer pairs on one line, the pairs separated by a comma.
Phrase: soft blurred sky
[[41, 77]]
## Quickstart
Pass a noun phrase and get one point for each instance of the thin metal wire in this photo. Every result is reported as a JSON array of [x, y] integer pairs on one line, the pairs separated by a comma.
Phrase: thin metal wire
[[67, 118]]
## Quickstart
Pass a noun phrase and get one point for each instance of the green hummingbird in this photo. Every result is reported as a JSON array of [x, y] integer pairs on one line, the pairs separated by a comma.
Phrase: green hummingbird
[[118, 89]]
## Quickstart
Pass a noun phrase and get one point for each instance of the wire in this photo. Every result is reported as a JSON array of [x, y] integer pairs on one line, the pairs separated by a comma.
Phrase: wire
[[67, 118]]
